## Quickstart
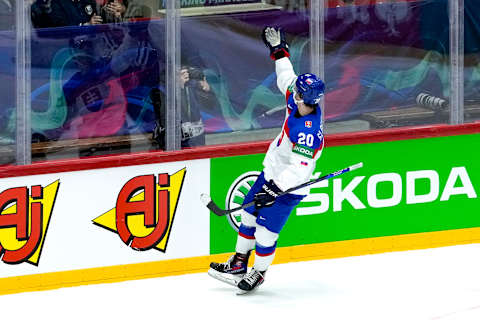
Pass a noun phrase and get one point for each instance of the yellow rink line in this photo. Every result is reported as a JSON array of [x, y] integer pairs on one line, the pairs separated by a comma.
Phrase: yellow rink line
[[164, 268]]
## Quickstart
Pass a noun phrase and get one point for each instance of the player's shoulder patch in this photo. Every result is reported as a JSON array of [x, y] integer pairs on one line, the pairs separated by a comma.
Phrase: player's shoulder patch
[[303, 151]]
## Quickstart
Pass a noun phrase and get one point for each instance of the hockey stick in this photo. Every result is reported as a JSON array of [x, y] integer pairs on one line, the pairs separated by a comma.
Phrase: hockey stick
[[221, 212]]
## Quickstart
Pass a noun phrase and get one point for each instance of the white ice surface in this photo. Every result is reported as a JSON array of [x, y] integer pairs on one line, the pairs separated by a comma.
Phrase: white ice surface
[[434, 284]]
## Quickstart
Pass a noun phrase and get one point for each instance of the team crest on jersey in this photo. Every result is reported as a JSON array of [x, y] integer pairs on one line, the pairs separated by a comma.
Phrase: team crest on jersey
[[308, 124]]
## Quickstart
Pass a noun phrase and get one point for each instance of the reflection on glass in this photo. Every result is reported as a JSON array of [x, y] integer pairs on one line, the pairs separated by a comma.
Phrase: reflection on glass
[[7, 15], [472, 62], [387, 64], [8, 80], [235, 90], [98, 70], [97, 77]]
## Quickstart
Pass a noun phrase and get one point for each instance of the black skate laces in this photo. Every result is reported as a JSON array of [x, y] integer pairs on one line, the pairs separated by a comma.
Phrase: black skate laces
[[252, 277]]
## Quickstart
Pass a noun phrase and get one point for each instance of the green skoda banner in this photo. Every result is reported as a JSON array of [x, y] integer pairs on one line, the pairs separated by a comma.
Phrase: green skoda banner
[[405, 187]]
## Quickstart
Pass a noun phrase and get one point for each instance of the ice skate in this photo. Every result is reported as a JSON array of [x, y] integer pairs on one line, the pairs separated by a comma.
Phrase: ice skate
[[251, 281], [230, 272]]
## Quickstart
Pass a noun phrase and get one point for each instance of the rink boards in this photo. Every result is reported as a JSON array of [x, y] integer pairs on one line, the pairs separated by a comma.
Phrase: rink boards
[[114, 223]]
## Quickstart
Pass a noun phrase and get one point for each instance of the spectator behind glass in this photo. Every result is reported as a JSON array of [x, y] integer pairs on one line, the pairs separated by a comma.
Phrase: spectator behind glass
[[195, 96], [40, 13], [74, 13], [113, 10], [194, 86], [60, 13]]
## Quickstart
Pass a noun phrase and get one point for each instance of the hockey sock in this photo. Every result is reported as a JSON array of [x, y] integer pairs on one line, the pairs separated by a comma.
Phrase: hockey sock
[[245, 239], [264, 257]]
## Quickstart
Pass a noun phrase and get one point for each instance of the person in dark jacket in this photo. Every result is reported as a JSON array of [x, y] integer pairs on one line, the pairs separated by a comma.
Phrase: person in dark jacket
[[74, 13], [40, 12]]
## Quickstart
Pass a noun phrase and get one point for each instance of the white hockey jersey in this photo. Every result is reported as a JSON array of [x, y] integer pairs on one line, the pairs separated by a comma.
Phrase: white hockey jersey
[[291, 157]]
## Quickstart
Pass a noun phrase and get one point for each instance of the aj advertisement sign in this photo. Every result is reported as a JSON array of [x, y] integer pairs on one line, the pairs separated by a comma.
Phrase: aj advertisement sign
[[25, 214], [145, 209]]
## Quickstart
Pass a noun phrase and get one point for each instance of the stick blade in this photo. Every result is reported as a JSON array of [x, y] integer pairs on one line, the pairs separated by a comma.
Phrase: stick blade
[[207, 201], [205, 198]]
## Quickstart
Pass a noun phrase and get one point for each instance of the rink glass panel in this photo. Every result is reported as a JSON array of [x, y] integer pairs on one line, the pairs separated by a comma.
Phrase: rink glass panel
[[232, 83], [91, 86], [8, 78], [472, 61], [382, 58]]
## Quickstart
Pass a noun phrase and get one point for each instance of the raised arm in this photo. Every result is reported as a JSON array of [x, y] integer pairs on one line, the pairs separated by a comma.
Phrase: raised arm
[[285, 74], [274, 39]]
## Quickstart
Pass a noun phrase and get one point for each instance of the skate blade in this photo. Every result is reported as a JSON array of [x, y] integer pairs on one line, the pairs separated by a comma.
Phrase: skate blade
[[233, 281], [241, 292]]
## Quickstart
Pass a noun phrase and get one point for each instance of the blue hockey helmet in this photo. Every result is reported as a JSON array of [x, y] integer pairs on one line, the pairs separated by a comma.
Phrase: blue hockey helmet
[[310, 88]]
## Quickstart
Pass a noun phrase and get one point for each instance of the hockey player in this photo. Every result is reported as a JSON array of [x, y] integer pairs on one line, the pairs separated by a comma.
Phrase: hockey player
[[290, 161]]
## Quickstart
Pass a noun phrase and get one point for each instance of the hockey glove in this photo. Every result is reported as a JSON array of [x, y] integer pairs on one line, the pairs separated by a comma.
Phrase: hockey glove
[[267, 196], [274, 39]]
